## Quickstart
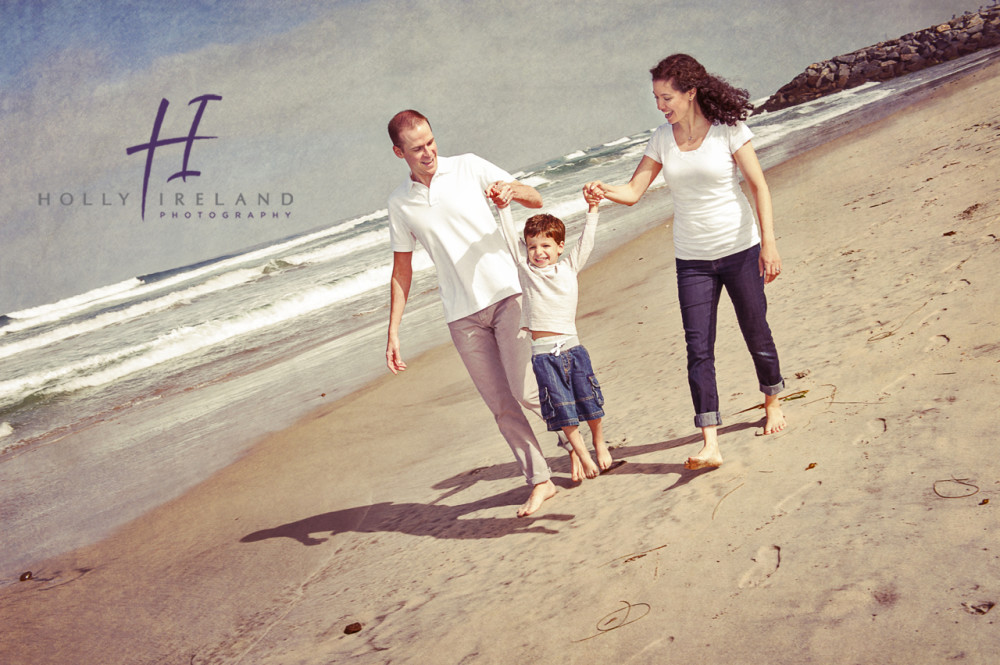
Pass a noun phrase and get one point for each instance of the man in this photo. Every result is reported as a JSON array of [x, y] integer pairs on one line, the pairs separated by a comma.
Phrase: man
[[443, 206]]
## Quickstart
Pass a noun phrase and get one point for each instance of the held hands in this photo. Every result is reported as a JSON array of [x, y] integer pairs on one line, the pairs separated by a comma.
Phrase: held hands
[[500, 193], [593, 193]]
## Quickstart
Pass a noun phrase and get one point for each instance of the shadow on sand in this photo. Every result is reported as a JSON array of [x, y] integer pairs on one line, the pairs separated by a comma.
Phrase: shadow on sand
[[449, 522]]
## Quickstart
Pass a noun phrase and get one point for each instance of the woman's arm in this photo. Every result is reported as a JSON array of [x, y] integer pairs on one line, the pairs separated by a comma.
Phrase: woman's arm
[[630, 193], [770, 261]]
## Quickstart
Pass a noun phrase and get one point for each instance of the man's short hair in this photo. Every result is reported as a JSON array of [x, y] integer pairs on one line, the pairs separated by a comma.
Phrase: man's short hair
[[545, 225], [404, 120]]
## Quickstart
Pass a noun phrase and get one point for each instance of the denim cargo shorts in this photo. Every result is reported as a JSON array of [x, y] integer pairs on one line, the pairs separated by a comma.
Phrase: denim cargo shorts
[[567, 388]]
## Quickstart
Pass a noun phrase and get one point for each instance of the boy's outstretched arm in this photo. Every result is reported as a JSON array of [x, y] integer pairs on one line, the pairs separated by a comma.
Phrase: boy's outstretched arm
[[584, 245], [515, 245]]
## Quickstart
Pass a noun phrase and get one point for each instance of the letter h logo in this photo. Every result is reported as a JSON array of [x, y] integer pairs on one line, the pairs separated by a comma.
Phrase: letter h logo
[[155, 142]]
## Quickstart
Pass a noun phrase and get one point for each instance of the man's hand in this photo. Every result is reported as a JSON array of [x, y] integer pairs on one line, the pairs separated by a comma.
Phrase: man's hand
[[393, 359], [500, 193], [399, 290]]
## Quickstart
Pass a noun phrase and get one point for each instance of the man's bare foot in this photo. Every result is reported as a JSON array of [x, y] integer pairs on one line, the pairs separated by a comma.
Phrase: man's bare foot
[[539, 495], [775, 420], [711, 461], [604, 459]]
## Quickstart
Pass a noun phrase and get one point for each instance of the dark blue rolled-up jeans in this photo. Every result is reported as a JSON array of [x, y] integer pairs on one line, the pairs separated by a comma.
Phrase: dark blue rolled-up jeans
[[699, 285]]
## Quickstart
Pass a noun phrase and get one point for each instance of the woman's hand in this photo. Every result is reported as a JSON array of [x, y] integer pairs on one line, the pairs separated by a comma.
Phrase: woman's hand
[[593, 192], [770, 263]]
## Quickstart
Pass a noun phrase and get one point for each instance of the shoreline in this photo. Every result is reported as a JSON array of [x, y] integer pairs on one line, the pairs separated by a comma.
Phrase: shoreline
[[99, 495], [880, 321]]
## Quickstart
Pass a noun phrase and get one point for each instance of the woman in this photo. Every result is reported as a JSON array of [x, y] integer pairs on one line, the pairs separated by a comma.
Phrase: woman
[[717, 242]]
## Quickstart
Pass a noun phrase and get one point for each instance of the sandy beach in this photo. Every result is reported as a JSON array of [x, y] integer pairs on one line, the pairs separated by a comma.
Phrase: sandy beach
[[866, 532]]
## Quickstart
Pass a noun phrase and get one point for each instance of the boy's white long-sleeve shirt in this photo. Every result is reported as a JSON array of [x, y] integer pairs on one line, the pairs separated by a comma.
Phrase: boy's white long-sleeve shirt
[[550, 293]]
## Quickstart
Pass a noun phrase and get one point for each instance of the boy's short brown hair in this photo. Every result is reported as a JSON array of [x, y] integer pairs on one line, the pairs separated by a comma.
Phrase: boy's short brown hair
[[545, 225]]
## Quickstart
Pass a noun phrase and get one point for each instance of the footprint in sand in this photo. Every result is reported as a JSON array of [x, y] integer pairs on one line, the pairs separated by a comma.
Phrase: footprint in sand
[[932, 317], [955, 285], [766, 563], [888, 388], [876, 428], [794, 500], [937, 342]]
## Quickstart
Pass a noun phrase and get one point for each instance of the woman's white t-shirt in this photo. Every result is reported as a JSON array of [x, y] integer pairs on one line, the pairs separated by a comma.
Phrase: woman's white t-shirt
[[712, 216]]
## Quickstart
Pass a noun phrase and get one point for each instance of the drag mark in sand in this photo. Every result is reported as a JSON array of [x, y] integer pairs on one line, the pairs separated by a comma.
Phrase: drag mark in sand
[[724, 498], [889, 333], [618, 618], [960, 481], [628, 558], [799, 394]]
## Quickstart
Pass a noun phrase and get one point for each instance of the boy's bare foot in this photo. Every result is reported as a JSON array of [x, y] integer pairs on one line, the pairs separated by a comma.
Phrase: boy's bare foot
[[576, 473], [583, 465], [604, 459], [775, 420], [539, 495], [702, 461]]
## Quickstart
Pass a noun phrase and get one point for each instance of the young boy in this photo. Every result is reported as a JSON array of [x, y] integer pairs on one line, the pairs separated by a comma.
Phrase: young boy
[[568, 390]]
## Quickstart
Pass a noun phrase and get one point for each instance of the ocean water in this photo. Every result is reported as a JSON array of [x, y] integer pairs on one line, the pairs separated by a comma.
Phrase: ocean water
[[119, 399]]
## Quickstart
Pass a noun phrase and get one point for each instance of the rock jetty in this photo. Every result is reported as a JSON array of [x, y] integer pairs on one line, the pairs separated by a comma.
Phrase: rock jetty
[[918, 50]]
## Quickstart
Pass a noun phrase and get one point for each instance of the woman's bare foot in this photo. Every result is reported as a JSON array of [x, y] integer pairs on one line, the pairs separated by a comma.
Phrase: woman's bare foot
[[704, 461], [539, 495], [775, 417], [709, 457]]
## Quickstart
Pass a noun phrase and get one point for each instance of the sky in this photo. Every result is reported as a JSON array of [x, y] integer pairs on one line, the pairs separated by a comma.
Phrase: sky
[[306, 91]]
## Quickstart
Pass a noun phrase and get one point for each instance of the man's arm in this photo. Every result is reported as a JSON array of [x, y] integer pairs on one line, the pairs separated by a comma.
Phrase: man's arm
[[502, 193], [526, 195], [399, 291]]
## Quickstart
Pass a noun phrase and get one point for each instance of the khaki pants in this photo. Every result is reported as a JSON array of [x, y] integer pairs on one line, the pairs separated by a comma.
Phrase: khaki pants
[[497, 354]]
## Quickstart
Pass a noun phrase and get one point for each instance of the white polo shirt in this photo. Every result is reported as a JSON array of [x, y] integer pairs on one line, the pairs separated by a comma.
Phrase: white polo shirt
[[453, 221]]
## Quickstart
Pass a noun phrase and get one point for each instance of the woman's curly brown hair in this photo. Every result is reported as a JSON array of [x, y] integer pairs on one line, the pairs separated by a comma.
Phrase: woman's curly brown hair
[[720, 101]]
